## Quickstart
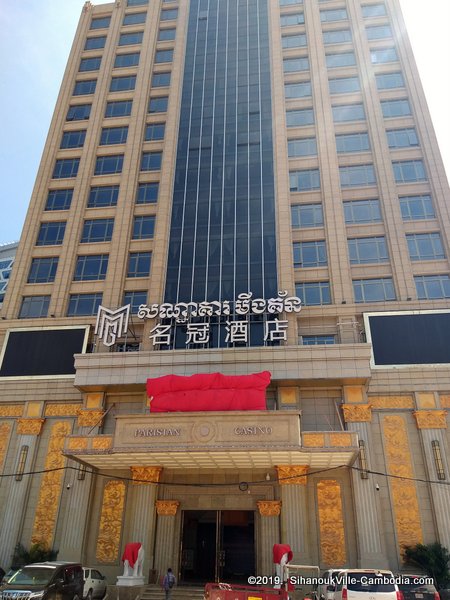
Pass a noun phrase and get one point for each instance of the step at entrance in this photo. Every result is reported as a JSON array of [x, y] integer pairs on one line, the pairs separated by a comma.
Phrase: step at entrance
[[155, 592]]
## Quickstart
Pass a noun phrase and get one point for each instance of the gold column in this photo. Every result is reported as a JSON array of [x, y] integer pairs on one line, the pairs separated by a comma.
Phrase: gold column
[[331, 523], [269, 508], [110, 528]]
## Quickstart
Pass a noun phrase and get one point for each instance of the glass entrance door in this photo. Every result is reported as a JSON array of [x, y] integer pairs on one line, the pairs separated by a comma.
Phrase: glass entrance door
[[217, 546]]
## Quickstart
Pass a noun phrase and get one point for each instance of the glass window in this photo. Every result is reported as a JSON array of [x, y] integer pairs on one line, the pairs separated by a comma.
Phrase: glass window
[[300, 181], [34, 306], [432, 287], [127, 39], [298, 118], [158, 104], [425, 246], [154, 131], [402, 138], [417, 207], [395, 108], [113, 135], [147, 193], [343, 59], [97, 230], [389, 81], [302, 147], [166, 35], [139, 264], [292, 19], [357, 175], [409, 170], [163, 56], [169, 15], [100, 22], [136, 2], [105, 195], [80, 112], [120, 84], [313, 293], [66, 167], [306, 215], [73, 139], [94, 43], [91, 267], [310, 254], [294, 41], [348, 112], [83, 304], [378, 32], [127, 60], [334, 14], [292, 65], [134, 18], [290, 2], [135, 299], [362, 211], [352, 142], [106, 165], [151, 161], [383, 55], [161, 79], [90, 64], [341, 36], [143, 228], [59, 199], [43, 270], [297, 90], [373, 290], [373, 10], [83, 88], [51, 234], [318, 340], [344, 85], [118, 108], [367, 250]]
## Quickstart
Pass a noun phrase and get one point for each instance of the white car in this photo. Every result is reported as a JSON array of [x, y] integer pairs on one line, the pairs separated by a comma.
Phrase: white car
[[94, 584], [366, 584]]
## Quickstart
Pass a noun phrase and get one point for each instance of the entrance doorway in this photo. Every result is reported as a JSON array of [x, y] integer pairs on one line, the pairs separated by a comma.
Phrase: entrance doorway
[[217, 545]]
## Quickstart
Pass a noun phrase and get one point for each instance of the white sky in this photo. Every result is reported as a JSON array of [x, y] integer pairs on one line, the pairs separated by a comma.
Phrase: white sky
[[35, 40]]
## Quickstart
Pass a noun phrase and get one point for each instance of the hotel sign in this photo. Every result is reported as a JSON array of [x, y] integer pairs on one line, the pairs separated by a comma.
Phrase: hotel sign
[[112, 324]]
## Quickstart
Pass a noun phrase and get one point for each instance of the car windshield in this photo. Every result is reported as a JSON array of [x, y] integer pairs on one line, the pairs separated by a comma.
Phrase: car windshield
[[369, 582], [32, 576]]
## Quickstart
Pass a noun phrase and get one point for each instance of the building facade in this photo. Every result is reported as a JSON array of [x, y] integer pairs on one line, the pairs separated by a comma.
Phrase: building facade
[[210, 163], [7, 254]]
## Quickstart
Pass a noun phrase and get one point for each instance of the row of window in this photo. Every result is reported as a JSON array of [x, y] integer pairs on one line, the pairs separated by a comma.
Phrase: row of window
[[116, 108], [341, 59], [369, 250], [407, 171], [332, 15], [112, 135], [363, 211], [334, 36], [105, 165]]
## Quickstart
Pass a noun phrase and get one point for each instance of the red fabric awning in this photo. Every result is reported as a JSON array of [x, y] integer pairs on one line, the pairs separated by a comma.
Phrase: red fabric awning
[[208, 392]]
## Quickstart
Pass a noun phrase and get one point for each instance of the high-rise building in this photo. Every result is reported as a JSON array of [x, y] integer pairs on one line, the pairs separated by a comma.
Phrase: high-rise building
[[210, 163], [7, 254]]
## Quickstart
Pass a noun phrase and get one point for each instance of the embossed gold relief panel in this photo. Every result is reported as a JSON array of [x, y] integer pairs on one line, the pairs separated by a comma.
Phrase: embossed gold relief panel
[[11, 410], [403, 491], [51, 485], [380, 402], [5, 430], [331, 523], [62, 410], [110, 528]]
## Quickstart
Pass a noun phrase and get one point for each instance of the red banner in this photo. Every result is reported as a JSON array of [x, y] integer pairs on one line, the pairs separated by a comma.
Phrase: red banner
[[208, 392]]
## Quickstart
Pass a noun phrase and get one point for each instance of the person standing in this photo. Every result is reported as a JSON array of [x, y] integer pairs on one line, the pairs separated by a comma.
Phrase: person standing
[[168, 583]]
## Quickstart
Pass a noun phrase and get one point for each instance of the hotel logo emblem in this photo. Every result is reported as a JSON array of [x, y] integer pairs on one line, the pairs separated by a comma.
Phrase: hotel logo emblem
[[112, 324]]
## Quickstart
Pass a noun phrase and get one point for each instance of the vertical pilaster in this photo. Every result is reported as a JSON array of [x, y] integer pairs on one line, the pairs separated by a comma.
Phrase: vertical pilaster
[[165, 534], [294, 522], [269, 519]]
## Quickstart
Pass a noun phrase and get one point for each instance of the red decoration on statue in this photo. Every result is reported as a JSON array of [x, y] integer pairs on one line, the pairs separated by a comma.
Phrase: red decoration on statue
[[208, 392], [131, 553]]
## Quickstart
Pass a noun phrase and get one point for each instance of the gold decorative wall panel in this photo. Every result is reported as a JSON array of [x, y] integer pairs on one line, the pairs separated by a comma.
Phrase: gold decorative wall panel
[[403, 491], [34, 409], [11, 410], [77, 443], [431, 419], [331, 523], [145, 475], [29, 426], [292, 474], [288, 395], [5, 430], [51, 485], [381, 402], [94, 400], [343, 440], [357, 413], [167, 508], [90, 418], [313, 440], [426, 400], [445, 400], [353, 394], [102, 442], [110, 528], [62, 410], [269, 508]]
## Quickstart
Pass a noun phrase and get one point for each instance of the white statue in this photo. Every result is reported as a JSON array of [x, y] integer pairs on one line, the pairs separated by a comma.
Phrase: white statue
[[133, 561], [282, 555]]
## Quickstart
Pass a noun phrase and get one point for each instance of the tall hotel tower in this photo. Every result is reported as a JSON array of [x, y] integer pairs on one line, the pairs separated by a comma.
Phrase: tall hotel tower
[[210, 163]]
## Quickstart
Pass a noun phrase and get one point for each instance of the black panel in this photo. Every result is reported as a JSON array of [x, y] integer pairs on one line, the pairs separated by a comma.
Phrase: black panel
[[411, 339], [48, 352]]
